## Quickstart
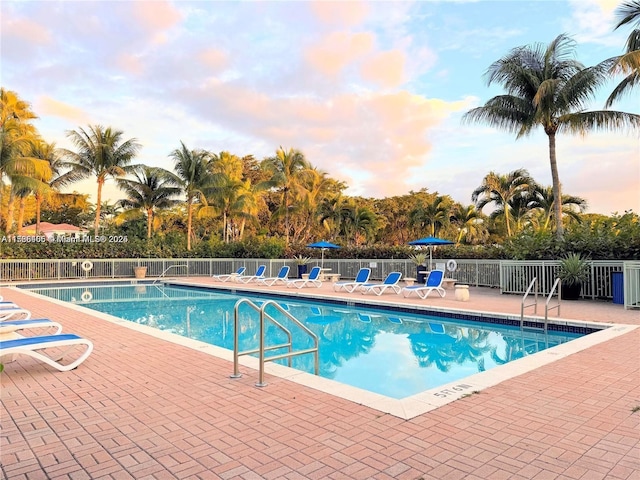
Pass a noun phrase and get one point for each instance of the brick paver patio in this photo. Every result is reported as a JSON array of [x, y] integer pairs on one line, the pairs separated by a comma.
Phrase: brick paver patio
[[143, 408]]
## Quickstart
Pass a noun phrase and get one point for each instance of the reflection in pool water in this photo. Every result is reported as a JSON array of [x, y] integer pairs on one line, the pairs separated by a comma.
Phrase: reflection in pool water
[[393, 353]]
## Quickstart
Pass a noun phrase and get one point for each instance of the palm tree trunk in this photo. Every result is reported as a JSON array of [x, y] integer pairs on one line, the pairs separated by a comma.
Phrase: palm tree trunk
[[189, 216], [557, 191], [38, 209], [10, 211], [20, 215], [96, 223], [225, 233], [242, 224], [149, 221]]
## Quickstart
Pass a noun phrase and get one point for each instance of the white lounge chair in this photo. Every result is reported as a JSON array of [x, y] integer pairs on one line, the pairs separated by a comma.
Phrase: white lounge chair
[[391, 282], [14, 314], [7, 305], [35, 346], [11, 326], [252, 278], [282, 277], [433, 283], [361, 278], [313, 280], [225, 277]]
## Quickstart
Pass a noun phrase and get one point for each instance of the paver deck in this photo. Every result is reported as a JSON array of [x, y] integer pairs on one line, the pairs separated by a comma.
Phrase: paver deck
[[140, 407]]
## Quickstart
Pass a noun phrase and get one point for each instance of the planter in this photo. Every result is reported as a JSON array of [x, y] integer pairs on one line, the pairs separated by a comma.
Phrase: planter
[[570, 291], [140, 272], [421, 277], [302, 269]]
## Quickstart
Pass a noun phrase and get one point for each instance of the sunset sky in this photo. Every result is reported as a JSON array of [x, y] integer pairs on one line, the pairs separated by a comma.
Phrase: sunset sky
[[371, 92]]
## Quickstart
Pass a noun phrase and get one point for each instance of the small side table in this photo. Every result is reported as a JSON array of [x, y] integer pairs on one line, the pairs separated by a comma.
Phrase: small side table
[[409, 281], [462, 293]]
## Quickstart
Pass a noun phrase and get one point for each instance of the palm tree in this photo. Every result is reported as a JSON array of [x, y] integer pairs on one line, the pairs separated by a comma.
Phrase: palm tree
[[360, 223], [287, 170], [16, 138], [101, 153], [230, 195], [501, 190], [629, 63], [470, 223], [192, 168], [434, 214], [543, 204], [151, 189], [547, 88], [49, 153], [12, 108]]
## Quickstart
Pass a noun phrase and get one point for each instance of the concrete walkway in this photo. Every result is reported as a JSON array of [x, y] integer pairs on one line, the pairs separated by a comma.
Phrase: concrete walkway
[[140, 407]]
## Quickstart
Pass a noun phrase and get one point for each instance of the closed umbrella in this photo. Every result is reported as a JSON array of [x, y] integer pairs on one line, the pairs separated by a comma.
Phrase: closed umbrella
[[323, 245], [431, 242]]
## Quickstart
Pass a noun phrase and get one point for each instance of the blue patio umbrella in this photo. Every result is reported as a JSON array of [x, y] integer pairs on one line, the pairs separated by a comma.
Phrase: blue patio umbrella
[[431, 242], [323, 245]]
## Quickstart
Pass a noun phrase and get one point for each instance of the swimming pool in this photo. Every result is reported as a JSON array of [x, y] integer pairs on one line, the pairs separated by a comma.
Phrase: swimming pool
[[393, 352]]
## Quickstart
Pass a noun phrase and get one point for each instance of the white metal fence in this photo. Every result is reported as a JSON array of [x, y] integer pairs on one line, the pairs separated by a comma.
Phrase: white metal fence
[[510, 276]]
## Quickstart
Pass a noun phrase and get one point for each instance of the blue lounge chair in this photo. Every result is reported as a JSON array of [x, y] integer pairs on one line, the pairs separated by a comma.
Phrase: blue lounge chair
[[252, 278], [282, 277], [361, 278], [10, 326], [433, 283], [228, 276], [313, 280], [34, 347], [391, 282]]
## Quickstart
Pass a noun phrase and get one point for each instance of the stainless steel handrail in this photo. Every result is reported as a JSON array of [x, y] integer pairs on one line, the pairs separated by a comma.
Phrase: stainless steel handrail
[[166, 270], [524, 298], [262, 348], [547, 308]]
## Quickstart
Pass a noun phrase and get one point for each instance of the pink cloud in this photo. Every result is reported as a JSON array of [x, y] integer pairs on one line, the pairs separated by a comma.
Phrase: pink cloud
[[25, 29], [214, 58], [385, 68], [130, 63], [341, 13], [46, 105], [335, 51], [157, 15]]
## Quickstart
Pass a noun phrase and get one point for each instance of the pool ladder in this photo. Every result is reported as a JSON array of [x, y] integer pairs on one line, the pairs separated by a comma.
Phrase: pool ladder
[[534, 304], [262, 348]]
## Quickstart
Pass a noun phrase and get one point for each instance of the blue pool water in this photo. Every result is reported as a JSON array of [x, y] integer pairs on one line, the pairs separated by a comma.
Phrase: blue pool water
[[394, 353]]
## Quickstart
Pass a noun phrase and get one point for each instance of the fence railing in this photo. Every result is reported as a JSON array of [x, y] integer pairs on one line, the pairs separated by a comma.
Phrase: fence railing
[[508, 275]]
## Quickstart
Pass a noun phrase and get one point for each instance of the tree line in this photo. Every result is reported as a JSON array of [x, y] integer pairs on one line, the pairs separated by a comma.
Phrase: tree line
[[231, 197]]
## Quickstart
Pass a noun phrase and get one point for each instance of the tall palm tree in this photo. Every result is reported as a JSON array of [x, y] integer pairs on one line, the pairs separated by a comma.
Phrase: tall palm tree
[[103, 153], [287, 170], [230, 195], [629, 63], [54, 179], [192, 168], [546, 87], [16, 138], [500, 190], [150, 189]]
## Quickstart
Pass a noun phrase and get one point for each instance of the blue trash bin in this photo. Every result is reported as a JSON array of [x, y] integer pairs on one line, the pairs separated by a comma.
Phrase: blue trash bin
[[617, 284]]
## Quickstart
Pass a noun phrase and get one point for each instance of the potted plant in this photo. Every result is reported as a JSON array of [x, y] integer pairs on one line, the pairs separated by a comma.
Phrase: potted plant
[[140, 271], [573, 272], [302, 262], [420, 259]]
